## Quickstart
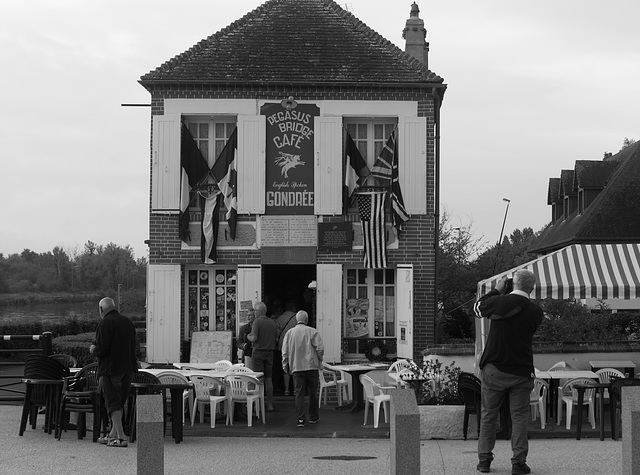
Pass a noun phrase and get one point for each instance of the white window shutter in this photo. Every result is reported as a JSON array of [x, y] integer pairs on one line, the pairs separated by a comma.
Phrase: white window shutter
[[252, 135], [404, 310], [165, 167], [328, 166], [412, 163], [329, 310], [163, 313]]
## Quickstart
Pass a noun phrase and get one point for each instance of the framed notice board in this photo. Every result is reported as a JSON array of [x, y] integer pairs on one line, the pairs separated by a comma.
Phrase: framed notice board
[[209, 347]]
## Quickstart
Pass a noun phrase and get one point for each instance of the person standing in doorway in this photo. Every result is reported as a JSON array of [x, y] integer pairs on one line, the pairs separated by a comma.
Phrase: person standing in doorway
[[506, 366], [243, 342], [263, 342], [286, 321], [302, 353], [115, 347]]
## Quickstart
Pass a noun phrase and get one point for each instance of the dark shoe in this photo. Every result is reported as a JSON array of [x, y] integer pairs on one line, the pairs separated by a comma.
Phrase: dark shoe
[[270, 408], [484, 466], [520, 468], [314, 421], [300, 422]]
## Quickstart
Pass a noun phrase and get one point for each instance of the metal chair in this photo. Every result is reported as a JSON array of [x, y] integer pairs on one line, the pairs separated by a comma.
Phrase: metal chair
[[469, 390]]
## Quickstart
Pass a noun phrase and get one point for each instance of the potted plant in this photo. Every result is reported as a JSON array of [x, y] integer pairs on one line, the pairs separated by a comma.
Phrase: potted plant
[[441, 409]]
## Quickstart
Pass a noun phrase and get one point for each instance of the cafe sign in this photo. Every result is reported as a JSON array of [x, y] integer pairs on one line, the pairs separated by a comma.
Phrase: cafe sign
[[290, 159]]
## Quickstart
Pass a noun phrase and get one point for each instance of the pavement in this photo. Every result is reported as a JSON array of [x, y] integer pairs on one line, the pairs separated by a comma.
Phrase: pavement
[[338, 444]]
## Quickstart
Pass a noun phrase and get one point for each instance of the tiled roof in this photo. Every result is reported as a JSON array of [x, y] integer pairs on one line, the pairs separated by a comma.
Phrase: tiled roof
[[554, 195], [294, 41], [612, 217], [593, 173], [566, 182]]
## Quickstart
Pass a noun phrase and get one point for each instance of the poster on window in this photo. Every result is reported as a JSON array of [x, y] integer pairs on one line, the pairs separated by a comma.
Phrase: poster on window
[[357, 320], [290, 159]]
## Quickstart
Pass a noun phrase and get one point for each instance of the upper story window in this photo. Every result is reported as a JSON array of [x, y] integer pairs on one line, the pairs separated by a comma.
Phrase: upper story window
[[370, 135], [211, 134]]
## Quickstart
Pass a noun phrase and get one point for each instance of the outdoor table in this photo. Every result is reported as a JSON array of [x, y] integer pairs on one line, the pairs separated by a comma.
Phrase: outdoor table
[[355, 370], [626, 365], [581, 388], [177, 406], [554, 378]]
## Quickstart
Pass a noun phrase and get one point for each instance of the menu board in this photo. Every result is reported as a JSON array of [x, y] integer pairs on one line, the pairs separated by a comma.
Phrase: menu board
[[209, 347], [288, 231]]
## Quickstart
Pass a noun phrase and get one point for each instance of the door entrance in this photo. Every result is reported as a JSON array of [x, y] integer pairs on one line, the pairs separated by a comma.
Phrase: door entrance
[[290, 283]]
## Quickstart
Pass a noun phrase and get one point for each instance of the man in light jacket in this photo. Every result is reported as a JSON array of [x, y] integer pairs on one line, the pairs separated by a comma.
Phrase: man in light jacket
[[302, 352]]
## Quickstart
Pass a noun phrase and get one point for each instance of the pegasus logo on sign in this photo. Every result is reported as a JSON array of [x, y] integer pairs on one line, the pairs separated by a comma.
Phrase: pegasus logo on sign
[[287, 161]]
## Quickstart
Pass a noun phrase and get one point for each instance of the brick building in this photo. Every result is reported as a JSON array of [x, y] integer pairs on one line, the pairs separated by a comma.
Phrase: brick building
[[279, 94]]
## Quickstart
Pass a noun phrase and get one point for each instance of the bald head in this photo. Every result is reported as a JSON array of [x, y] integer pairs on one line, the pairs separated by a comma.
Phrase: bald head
[[106, 305]]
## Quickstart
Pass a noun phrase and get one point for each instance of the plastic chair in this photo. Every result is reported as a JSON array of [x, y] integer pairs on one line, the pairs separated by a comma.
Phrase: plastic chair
[[469, 390], [396, 367], [538, 401], [237, 365], [329, 379], [376, 395], [343, 381], [615, 394], [571, 399], [173, 377], [80, 395], [67, 360], [239, 369], [238, 390], [43, 378], [208, 391], [222, 365]]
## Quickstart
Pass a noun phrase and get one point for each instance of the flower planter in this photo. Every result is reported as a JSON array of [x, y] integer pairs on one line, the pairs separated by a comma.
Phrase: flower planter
[[445, 422]]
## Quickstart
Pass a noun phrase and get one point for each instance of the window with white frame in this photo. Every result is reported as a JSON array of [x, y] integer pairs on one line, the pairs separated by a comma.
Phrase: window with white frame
[[370, 135], [370, 304]]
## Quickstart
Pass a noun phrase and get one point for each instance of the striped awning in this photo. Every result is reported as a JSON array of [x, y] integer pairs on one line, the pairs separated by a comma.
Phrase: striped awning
[[581, 271]]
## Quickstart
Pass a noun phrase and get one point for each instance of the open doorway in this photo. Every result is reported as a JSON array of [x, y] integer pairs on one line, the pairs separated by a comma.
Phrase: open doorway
[[285, 283]]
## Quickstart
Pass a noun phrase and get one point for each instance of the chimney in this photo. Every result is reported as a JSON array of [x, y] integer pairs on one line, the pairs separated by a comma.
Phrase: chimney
[[415, 35]]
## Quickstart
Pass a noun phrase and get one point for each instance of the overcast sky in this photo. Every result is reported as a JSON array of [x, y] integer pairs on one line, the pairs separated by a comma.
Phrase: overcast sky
[[533, 86]]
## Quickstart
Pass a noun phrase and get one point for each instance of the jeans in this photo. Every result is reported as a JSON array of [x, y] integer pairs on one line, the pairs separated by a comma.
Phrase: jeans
[[497, 385], [306, 382]]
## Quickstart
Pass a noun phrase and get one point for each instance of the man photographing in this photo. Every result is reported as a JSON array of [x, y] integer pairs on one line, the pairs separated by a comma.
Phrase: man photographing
[[507, 366]]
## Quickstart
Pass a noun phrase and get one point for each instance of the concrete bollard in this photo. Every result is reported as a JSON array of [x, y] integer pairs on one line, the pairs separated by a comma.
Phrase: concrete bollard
[[150, 434], [631, 430], [405, 433]]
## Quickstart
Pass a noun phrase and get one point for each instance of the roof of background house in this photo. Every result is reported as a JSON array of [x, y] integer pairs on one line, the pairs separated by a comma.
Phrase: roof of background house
[[294, 41], [612, 217]]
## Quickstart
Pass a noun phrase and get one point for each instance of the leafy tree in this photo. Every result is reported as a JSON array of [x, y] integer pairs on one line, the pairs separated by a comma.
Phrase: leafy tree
[[627, 142]]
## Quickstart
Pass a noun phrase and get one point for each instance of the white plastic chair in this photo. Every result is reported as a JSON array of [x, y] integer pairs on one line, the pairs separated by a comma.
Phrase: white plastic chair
[[173, 377], [329, 379], [570, 399], [238, 369], [238, 390], [396, 367], [344, 382], [538, 401], [375, 394], [605, 375], [203, 386], [222, 365], [236, 366]]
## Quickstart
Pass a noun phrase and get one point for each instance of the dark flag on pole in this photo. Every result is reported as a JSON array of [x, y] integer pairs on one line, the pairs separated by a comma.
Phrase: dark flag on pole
[[385, 172], [355, 173], [210, 223], [371, 208], [194, 168], [225, 173]]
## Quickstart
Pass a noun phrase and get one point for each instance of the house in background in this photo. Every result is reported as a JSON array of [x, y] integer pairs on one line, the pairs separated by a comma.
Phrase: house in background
[[253, 136], [591, 249]]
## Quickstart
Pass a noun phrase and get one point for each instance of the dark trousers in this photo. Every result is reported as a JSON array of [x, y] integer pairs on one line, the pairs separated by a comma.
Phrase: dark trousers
[[306, 382], [496, 386]]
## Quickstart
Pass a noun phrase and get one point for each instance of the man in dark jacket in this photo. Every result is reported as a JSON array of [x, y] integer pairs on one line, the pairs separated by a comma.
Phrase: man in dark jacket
[[507, 366], [115, 347]]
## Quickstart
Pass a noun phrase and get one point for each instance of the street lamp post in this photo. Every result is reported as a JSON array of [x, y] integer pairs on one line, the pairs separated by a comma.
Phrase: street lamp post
[[499, 244]]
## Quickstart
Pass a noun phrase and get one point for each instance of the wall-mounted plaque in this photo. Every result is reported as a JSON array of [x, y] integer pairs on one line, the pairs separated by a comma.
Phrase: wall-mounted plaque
[[288, 231], [335, 236]]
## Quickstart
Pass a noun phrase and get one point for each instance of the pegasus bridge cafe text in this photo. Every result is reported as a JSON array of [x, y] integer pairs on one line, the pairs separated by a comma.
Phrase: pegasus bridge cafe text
[[294, 127]]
